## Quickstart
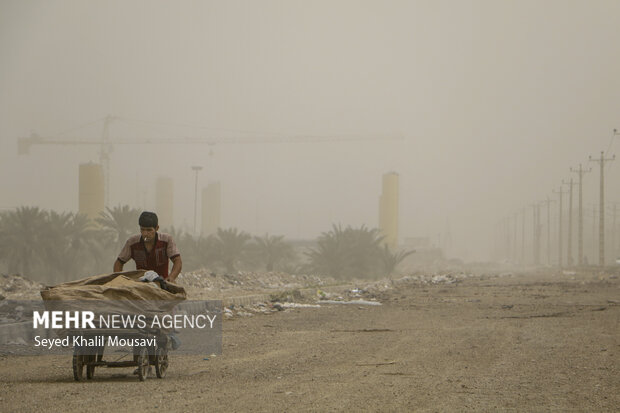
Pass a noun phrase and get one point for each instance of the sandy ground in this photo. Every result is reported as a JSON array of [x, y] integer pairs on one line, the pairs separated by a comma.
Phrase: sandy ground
[[516, 343]]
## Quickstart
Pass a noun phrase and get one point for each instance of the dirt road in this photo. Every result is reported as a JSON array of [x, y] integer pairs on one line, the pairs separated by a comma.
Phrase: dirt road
[[518, 343]]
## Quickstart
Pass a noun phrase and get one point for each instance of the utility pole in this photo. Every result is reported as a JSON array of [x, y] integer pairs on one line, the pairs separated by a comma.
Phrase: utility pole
[[548, 202], [534, 247], [514, 243], [508, 239], [613, 208], [196, 169], [523, 239], [570, 220], [593, 230], [580, 172], [601, 223], [613, 234], [560, 192], [497, 249], [538, 228], [536, 232]]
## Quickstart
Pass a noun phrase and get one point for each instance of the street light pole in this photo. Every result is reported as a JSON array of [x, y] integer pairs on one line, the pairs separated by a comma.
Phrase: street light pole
[[196, 169]]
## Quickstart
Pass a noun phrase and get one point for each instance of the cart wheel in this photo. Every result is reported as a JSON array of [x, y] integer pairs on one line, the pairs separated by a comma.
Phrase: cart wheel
[[143, 364], [78, 365], [90, 370], [98, 356], [161, 362]]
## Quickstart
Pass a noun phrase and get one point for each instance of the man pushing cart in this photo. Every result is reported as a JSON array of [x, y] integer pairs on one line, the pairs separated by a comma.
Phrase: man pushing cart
[[149, 291]]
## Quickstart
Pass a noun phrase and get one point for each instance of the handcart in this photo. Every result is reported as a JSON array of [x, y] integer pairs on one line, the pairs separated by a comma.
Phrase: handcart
[[116, 293], [91, 357]]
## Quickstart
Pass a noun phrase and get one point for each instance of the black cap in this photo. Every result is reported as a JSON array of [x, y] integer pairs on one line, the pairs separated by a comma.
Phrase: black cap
[[148, 219]]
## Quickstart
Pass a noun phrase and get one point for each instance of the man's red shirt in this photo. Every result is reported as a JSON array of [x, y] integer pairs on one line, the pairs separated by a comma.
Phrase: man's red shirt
[[157, 260]]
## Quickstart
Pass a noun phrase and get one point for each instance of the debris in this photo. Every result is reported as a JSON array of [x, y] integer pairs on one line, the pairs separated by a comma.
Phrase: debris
[[444, 279], [244, 314], [201, 283], [358, 302], [298, 305], [16, 287], [291, 295]]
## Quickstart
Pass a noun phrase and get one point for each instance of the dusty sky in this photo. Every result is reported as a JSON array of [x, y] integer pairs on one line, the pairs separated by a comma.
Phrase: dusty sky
[[495, 101]]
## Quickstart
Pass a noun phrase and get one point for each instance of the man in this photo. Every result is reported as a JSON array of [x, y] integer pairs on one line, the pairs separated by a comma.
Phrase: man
[[151, 250]]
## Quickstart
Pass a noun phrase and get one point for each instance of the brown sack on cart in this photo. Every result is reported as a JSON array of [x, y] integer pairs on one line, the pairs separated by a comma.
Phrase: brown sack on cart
[[120, 290]]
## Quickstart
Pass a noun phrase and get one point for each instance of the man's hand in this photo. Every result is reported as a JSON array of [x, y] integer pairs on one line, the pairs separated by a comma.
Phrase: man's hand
[[177, 264], [118, 266]]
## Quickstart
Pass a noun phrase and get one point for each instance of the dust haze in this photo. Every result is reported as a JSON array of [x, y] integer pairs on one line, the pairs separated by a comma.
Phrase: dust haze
[[494, 102]]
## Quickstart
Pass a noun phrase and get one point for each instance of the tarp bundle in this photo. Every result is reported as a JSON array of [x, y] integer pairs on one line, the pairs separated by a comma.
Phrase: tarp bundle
[[121, 291]]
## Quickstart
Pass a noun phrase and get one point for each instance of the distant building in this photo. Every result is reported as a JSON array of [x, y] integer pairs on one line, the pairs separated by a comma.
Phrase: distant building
[[91, 190], [388, 210]]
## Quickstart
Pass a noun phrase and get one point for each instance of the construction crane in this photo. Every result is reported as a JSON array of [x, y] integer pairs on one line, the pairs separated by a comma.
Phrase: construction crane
[[106, 143]]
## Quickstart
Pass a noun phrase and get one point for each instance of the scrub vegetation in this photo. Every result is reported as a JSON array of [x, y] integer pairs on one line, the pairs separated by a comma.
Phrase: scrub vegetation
[[54, 247]]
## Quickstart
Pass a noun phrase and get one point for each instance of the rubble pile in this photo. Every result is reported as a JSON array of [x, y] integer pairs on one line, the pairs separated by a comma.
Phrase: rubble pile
[[16, 287], [288, 291], [204, 280], [445, 277]]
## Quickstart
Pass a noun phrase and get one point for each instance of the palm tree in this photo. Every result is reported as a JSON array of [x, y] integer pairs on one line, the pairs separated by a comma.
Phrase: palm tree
[[348, 253], [329, 257], [272, 250], [391, 260], [122, 221], [101, 251], [231, 247], [57, 247], [197, 252], [65, 249], [364, 247], [21, 236]]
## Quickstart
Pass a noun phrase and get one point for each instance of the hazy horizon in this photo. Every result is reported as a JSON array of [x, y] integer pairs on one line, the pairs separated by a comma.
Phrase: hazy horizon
[[495, 102]]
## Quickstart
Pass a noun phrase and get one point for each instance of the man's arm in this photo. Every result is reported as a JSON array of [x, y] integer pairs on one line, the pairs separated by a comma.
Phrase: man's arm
[[123, 257], [177, 264], [118, 265]]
